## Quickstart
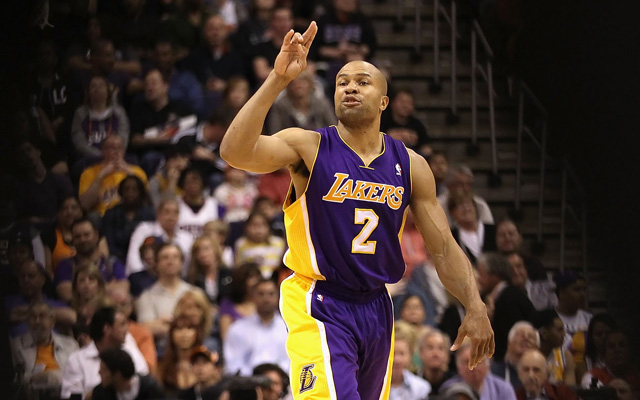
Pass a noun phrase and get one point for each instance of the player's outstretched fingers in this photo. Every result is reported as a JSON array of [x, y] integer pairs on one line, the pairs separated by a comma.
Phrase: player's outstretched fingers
[[288, 37], [475, 355], [458, 342], [310, 34], [492, 346]]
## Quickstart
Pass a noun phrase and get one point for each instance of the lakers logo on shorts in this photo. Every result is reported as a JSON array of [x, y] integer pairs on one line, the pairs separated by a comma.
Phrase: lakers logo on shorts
[[307, 379]]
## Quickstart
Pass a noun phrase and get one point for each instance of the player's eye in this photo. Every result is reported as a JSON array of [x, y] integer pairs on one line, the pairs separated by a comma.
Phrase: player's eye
[[343, 83], [362, 83]]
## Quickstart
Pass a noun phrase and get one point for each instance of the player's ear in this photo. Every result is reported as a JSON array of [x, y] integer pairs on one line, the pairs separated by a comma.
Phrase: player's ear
[[384, 103]]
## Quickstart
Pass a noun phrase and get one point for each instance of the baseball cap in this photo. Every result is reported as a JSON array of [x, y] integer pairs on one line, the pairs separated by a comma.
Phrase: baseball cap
[[566, 278]]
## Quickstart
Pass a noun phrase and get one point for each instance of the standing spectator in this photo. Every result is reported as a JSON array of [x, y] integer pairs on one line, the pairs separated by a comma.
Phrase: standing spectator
[[108, 329], [98, 188], [40, 355], [404, 384], [522, 337], [96, 119], [540, 292], [510, 304], [401, 116], [119, 380], [175, 370], [300, 106], [120, 221], [164, 183], [240, 302], [533, 373], [85, 241], [165, 228], [259, 338], [236, 194], [264, 54], [472, 234], [155, 305], [206, 368], [195, 306], [509, 240], [154, 121], [258, 245], [207, 270], [571, 291], [183, 85], [460, 181], [69, 211], [435, 354], [559, 359], [440, 168], [196, 207], [487, 385]]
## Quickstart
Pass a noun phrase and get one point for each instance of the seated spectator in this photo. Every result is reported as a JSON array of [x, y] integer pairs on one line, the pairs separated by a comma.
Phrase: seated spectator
[[599, 327], [98, 188], [258, 245], [559, 360], [155, 306], [618, 363], [175, 370], [207, 271], [474, 236], [275, 185], [68, 211], [460, 391], [204, 148], [108, 330], [571, 290], [165, 182], [413, 311], [88, 290], [255, 29], [404, 384], [142, 335], [541, 293], [259, 338], [31, 279], [196, 207], [236, 195], [509, 240], [460, 180], [522, 337], [215, 60], [183, 85], [96, 119], [40, 355], [435, 354], [400, 115], [484, 383], [208, 373], [143, 280], [234, 96], [120, 221], [279, 381], [300, 106], [240, 303], [119, 380], [184, 27], [85, 241], [195, 306], [274, 214], [440, 167], [154, 121], [263, 54], [533, 373], [165, 228], [506, 304], [219, 231]]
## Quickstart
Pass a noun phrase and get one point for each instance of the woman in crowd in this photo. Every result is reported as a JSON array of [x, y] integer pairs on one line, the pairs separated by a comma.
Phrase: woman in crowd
[[69, 211], [120, 221], [174, 369], [88, 290], [412, 311], [473, 236], [195, 305], [206, 270], [599, 327], [258, 245], [219, 231], [239, 303]]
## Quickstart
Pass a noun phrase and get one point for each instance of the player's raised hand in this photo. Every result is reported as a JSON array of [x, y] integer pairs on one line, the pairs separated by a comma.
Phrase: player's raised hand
[[292, 59], [477, 327]]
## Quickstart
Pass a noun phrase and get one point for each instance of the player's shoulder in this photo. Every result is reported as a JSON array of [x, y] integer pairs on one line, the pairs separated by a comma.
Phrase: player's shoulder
[[297, 137]]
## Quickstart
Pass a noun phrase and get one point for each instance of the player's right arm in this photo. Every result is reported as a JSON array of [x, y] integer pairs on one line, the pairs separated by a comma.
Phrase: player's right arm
[[243, 146]]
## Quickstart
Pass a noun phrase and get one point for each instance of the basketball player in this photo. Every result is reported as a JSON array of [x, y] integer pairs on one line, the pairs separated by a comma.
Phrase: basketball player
[[344, 214]]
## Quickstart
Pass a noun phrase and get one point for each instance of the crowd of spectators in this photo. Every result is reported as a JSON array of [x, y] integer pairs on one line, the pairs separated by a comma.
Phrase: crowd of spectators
[[136, 264]]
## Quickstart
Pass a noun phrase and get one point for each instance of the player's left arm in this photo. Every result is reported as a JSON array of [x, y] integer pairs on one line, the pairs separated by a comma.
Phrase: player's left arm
[[454, 268]]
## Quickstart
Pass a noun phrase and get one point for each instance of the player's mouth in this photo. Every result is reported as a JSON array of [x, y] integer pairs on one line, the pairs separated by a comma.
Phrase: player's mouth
[[350, 101]]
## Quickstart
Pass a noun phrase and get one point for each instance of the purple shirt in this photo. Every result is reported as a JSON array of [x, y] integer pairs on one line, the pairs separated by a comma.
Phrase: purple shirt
[[110, 270], [18, 300], [493, 388]]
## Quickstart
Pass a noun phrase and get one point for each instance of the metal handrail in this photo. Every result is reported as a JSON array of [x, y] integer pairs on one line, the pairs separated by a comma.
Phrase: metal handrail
[[452, 18]]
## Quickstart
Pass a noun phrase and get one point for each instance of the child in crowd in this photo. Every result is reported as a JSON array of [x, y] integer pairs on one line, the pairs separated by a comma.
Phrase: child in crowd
[[260, 246]]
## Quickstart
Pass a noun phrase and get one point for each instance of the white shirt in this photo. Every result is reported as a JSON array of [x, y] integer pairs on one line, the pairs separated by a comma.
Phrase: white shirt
[[412, 388], [157, 301], [250, 343], [81, 373], [573, 324], [236, 201], [473, 241], [192, 222], [183, 239]]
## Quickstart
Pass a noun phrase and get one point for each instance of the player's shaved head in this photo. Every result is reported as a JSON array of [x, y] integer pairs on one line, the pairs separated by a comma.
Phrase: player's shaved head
[[355, 67]]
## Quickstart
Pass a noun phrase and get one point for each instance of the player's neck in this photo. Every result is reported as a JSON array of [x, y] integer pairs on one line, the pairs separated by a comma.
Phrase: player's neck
[[366, 141]]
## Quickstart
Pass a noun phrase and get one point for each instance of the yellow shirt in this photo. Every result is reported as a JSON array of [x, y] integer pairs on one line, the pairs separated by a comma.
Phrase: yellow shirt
[[108, 192], [44, 356]]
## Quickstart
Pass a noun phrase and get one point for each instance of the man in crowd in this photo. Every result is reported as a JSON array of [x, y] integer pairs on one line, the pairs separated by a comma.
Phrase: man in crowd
[[401, 116], [533, 373], [571, 290], [522, 337], [435, 355], [258, 338], [207, 367], [279, 381], [552, 334], [119, 379], [460, 180], [509, 240]]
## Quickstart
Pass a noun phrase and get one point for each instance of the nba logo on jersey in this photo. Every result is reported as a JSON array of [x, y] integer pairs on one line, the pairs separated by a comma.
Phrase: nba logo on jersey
[[307, 379], [320, 297], [398, 169]]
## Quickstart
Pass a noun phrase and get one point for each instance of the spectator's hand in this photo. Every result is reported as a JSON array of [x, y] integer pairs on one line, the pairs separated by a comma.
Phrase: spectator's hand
[[215, 84], [108, 169], [202, 153], [292, 59], [477, 327]]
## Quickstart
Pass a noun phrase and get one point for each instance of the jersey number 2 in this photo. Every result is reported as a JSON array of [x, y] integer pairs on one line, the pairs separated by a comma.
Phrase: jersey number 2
[[370, 220]]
